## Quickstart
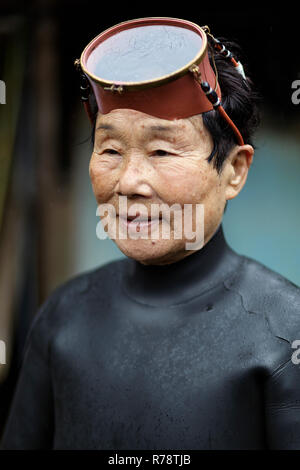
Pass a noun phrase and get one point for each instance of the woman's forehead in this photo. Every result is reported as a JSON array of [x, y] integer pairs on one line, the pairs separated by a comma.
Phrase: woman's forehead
[[131, 120]]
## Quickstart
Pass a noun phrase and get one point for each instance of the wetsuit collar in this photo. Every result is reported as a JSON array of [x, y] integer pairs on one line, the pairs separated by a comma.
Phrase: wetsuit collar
[[175, 283]]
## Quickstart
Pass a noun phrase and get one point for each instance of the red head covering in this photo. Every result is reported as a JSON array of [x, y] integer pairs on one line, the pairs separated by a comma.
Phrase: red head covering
[[146, 65], [159, 66]]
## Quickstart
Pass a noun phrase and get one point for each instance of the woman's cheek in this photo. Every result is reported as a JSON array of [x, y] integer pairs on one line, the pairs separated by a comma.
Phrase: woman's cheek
[[103, 179]]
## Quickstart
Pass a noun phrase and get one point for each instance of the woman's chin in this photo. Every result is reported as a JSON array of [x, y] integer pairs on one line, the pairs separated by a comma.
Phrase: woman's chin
[[148, 251]]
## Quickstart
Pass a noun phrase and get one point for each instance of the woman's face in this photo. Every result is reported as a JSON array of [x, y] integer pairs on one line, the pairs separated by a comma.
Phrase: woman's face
[[140, 162]]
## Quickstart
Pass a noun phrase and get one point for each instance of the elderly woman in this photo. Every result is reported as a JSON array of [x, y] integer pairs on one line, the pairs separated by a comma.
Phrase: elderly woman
[[184, 344]]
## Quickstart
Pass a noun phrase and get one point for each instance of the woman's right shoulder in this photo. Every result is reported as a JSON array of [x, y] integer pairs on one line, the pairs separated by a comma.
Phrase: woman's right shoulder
[[69, 301]]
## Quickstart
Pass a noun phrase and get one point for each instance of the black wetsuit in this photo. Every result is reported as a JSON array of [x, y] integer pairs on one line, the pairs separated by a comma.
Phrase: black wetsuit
[[192, 355]]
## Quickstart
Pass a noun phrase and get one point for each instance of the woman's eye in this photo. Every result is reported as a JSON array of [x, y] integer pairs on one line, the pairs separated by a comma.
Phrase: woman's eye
[[111, 152], [161, 153]]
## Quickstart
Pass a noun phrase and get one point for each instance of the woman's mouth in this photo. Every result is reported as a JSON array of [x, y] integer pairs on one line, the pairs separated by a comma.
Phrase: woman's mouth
[[138, 223]]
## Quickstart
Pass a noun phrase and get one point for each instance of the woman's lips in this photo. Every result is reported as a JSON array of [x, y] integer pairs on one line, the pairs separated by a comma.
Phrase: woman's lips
[[138, 223]]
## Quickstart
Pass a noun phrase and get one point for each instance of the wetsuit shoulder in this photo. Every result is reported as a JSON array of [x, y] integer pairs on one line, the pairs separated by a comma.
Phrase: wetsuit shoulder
[[67, 303], [268, 292]]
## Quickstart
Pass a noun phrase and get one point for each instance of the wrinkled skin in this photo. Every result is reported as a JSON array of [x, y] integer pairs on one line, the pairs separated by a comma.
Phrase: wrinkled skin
[[154, 161]]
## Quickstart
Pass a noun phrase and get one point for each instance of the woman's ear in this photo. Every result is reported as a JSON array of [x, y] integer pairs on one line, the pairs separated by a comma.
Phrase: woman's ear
[[239, 162]]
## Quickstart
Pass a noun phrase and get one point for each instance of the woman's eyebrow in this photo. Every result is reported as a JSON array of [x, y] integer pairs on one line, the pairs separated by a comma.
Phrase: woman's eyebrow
[[155, 128], [106, 127], [161, 128], [110, 128]]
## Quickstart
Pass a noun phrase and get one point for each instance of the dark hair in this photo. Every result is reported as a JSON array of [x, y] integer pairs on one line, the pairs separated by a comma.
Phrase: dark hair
[[239, 99]]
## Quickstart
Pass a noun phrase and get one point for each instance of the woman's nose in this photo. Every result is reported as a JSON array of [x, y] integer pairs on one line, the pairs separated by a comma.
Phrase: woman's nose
[[134, 180]]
